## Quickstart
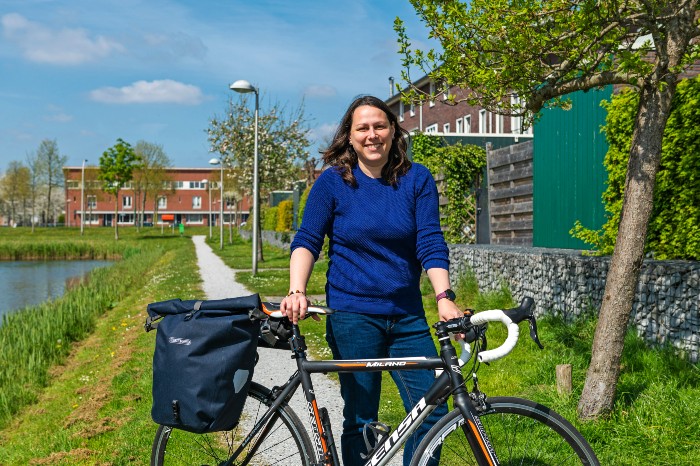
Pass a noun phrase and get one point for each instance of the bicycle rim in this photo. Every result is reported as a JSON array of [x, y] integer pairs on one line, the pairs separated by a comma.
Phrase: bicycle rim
[[286, 443], [521, 432]]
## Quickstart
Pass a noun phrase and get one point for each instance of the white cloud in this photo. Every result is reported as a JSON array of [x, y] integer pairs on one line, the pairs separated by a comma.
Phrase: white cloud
[[59, 117], [323, 133], [320, 90], [150, 92], [57, 47]]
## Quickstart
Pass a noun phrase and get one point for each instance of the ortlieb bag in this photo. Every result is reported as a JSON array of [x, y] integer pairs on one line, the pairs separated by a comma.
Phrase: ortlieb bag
[[203, 361]]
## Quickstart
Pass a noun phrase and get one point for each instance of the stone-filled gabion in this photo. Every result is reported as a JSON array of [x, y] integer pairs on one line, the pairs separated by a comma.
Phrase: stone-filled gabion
[[665, 310]]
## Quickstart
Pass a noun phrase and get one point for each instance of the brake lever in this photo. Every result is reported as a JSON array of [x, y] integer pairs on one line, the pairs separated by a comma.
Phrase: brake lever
[[533, 331]]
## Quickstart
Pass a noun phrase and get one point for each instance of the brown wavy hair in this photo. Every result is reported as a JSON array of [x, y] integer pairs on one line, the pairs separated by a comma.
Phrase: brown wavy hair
[[341, 155]]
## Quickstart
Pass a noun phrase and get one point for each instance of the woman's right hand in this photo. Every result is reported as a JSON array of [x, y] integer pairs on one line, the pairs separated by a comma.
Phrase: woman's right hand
[[294, 306]]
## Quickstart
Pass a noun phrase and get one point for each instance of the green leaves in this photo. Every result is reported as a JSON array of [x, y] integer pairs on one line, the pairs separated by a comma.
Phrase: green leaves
[[674, 228], [117, 165], [459, 170]]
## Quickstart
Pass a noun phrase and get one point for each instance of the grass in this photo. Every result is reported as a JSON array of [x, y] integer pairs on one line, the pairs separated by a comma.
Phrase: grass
[[93, 405]]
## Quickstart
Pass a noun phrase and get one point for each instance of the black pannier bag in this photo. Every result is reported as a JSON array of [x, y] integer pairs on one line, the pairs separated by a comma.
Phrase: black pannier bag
[[203, 361]]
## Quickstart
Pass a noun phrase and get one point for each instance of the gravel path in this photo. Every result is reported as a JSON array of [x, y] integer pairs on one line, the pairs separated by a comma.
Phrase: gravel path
[[274, 366]]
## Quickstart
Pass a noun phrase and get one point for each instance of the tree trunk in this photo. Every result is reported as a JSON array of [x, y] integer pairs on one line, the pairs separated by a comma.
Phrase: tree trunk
[[260, 244], [608, 342]]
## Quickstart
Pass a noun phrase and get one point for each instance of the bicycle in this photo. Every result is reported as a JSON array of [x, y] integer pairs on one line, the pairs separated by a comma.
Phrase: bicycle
[[480, 430]]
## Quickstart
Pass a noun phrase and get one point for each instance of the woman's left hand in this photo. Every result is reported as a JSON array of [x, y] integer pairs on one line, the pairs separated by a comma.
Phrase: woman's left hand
[[448, 310]]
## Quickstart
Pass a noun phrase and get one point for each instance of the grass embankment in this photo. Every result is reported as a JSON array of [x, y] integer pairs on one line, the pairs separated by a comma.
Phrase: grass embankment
[[82, 363], [655, 418]]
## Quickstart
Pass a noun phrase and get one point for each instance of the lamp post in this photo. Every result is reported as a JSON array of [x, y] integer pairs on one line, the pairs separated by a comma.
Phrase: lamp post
[[209, 187], [221, 202], [244, 86], [82, 198]]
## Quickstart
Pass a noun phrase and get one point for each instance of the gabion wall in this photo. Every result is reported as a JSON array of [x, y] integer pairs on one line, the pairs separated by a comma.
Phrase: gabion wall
[[665, 310]]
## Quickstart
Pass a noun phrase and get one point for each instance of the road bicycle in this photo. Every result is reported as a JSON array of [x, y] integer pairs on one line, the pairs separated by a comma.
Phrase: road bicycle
[[479, 430]]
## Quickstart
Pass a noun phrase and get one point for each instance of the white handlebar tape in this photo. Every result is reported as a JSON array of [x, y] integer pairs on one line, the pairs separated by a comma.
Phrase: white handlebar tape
[[497, 315]]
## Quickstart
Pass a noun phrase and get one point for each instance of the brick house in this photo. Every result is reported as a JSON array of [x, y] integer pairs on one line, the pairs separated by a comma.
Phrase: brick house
[[189, 196], [437, 117]]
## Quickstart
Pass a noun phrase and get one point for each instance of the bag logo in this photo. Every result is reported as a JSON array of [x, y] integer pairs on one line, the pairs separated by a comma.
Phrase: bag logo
[[180, 341]]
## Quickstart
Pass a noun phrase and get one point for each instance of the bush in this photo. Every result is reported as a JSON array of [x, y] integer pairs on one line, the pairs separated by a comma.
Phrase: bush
[[269, 218], [461, 166], [285, 211], [302, 204], [674, 227]]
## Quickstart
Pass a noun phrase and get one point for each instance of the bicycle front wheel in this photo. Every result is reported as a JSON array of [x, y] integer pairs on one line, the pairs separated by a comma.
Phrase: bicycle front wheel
[[285, 443], [521, 432]]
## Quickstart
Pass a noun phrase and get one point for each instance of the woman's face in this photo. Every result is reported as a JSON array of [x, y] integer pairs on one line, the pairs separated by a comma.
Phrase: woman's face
[[371, 135]]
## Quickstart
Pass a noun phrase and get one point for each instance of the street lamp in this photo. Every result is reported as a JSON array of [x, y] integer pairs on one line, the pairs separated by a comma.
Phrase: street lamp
[[209, 186], [221, 202], [244, 87], [82, 198]]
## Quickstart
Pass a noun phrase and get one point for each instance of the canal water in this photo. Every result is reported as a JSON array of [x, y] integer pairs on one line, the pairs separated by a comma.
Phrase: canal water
[[28, 283]]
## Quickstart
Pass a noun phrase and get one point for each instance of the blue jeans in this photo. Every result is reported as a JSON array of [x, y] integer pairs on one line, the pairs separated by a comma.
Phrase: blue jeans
[[362, 336]]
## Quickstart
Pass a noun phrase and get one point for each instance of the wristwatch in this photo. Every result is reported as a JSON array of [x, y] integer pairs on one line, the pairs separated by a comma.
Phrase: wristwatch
[[448, 293]]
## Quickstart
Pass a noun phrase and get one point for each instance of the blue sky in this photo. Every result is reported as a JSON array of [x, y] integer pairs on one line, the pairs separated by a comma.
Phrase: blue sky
[[86, 72]]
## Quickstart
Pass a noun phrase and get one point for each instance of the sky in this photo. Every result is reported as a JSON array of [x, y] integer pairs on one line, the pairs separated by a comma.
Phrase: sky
[[86, 72]]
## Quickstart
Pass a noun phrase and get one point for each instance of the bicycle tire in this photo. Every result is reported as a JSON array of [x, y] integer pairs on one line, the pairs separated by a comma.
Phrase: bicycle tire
[[287, 442], [521, 432]]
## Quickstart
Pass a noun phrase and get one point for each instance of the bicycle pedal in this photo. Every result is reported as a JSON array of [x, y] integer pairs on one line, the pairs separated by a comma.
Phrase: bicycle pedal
[[379, 430]]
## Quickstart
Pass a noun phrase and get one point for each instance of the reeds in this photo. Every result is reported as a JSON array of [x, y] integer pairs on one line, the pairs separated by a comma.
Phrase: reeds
[[33, 339]]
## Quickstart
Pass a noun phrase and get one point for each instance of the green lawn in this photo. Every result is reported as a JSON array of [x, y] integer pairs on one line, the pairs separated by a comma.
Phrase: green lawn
[[92, 405]]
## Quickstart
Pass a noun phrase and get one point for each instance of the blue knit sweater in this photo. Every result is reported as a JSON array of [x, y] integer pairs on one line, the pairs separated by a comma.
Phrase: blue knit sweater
[[380, 238]]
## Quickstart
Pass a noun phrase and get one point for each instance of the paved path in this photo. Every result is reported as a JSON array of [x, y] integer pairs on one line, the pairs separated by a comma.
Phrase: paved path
[[274, 366]]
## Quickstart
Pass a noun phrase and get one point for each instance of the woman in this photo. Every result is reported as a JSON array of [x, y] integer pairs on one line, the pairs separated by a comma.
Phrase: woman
[[380, 212]]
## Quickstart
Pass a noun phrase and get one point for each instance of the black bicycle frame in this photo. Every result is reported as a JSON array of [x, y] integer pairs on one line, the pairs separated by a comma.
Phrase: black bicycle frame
[[438, 393]]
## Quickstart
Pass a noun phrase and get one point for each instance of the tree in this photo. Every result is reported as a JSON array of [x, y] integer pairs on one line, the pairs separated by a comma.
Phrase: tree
[[50, 169], [15, 189], [34, 165], [117, 165], [150, 177], [282, 145], [542, 51]]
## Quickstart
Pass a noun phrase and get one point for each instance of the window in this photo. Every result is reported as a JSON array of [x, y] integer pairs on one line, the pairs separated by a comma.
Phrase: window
[[432, 94], [446, 128], [162, 202], [467, 124], [178, 184], [126, 218], [446, 93], [126, 202], [91, 202], [499, 124], [482, 120], [401, 110], [460, 125], [432, 129], [194, 218], [197, 185], [197, 202], [412, 110]]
